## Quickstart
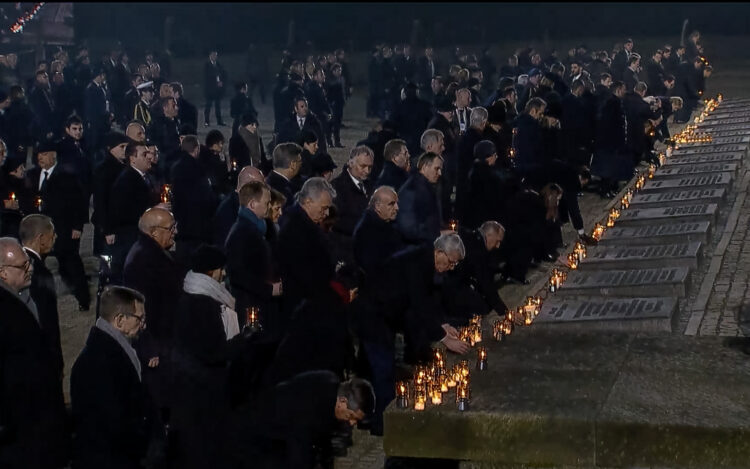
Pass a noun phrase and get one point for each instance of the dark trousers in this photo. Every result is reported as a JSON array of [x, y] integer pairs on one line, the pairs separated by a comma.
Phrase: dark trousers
[[207, 110], [72, 272], [124, 240], [253, 84], [381, 358], [335, 124]]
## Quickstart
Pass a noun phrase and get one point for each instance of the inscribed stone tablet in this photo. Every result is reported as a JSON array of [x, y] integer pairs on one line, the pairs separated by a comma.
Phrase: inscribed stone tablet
[[736, 158], [677, 198], [665, 281], [670, 172], [708, 181], [693, 149], [642, 257], [629, 314], [720, 132], [635, 216], [656, 234], [729, 140]]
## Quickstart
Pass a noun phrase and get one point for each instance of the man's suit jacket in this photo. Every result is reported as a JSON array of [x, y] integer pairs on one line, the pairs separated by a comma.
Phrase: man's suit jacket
[[281, 184], [350, 201], [43, 293], [112, 412], [43, 105], [290, 130], [129, 197], [375, 240], [105, 175], [211, 72], [97, 108], [194, 201], [63, 200], [224, 218], [419, 217], [392, 176], [72, 157]]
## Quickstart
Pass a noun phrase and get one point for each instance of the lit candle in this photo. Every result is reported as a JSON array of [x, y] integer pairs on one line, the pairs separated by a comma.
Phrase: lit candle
[[481, 359], [437, 398], [419, 403], [477, 334], [12, 196], [453, 224], [253, 320], [38, 202], [497, 331], [402, 394], [573, 261], [464, 368], [234, 164], [166, 194]]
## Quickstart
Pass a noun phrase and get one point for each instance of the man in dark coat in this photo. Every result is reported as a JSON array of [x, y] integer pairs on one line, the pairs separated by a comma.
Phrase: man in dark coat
[[37, 234], [43, 105], [302, 119], [382, 133], [187, 112], [621, 59], [113, 415], [465, 157], [249, 263], [654, 72], [97, 113], [527, 141], [353, 190], [315, 92], [214, 87], [638, 113], [72, 156], [337, 93], [129, 196], [630, 75], [687, 86], [164, 131], [63, 200], [375, 236], [487, 194], [226, 212], [412, 116], [397, 164], [32, 410], [304, 256], [193, 200], [576, 126], [419, 218], [287, 161], [571, 179], [151, 270], [105, 175], [426, 69], [611, 163]]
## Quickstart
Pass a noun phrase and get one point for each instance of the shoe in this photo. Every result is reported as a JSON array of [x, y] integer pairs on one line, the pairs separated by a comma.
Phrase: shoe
[[515, 281], [206, 124], [588, 240], [221, 124], [338, 145]]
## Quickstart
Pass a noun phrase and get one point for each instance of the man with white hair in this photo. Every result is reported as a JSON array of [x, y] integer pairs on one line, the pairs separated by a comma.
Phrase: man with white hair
[[32, 410], [407, 292]]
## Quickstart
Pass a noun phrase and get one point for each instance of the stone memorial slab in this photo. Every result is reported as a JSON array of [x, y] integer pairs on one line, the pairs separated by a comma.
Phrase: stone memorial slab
[[736, 158], [707, 181], [720, 132], [677, 198], [637, 216], [642, 257], [671, 172], [723, 128], [664, 281], [716, 140], [656, 234], [726, 120], [728, 114], [695, 149], [620, 314]]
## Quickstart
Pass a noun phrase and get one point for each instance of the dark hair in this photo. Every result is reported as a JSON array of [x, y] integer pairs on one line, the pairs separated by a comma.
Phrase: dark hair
[[306, 136], [668, 77], [118, 300], [164, 101], [190, 143], [427, 158], [73, 119], [33, 225], [253, 190], [177, 87], [359, 395], [213, 137], [239, 85], [132, 149]]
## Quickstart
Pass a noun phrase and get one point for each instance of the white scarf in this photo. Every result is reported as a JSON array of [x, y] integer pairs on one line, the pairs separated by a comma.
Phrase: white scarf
[[201, 284]]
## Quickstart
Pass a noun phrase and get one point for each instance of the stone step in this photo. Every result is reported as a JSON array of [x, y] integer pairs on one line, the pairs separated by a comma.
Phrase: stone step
[[710, 128], [707, 181], [675, 172], [734, 158], [720, 132], [716, 140], [562, 314], [656, 234], [642, 257], [699, 150], [664, 281], [637, 216], [675, 198]]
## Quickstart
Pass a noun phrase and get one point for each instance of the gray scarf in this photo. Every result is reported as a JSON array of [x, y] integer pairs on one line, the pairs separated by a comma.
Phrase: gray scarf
[[118, 336], [252, 140], [201, 284]]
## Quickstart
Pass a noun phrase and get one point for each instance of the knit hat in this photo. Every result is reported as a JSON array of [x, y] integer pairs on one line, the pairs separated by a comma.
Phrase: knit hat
[[484, 150], [113, 139], [206, 258]]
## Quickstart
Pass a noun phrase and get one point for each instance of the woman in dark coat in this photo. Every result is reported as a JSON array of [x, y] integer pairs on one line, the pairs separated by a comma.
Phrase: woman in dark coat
[[207, 339]]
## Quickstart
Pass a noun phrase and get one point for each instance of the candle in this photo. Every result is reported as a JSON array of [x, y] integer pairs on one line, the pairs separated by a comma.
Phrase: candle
[[443, 383], [528, 318], [38, 202], [437, 398], [402, 394], [12, 196], [453, 224], [419, 404], [481, 359], [572, 260], [253, 320], [234, 164], [477, 334], [166, 194], [464, 368]]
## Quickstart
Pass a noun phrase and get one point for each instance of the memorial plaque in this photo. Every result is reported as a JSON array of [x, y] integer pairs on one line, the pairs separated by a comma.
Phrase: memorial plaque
[[677, 198], [656, 234], [723, 128], [720, 132], [708, 181], [671, 172], [727, 120], [694, 149], [665, 281], [736, 158], [621, 314], [637, 216], [716, 140], [642, 257], [728, 114]]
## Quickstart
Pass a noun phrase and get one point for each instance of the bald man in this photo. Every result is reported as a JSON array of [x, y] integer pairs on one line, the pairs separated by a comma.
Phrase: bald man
[[375, 236], [151, 270], [32, 410], [226, 213]]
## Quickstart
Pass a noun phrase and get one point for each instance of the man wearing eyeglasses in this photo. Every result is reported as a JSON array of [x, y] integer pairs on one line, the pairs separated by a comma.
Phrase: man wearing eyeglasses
[[32, 410]]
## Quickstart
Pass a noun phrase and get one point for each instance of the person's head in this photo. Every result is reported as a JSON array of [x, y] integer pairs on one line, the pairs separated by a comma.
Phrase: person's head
[[42, 78], [123, 308], [146, 90], [247, 174], [430, 165], [213, 55], [240, 87], [449, 251], [618, 89], [605, 79], [278, 200], [135, 154], [676, 103], [47, 155], [397, 152], [695, 36], [697, 62], [74, 127], [300, 106], [577, 87], [177, 90], [191, 145], [37, 232], [486, 151], [575, 68], [463, 98], [432, 141], [15, 167], [215, 141], [135, 131], [158, 224], [316, 198], [557, 69], [169, 107], [658, 54], [437, 84], [256, 197], [513, 60], [250, 122], [478, 118], [15, 266], [308, 140], [115, 143], [640, 88], [493, 234], [208, 260], [634, 61], [166, 91], [666, 52], [337, 70], [384, 202], [287, 159], [360, 162], [628, 45], [319, 76], [355, 400], [536, 107]]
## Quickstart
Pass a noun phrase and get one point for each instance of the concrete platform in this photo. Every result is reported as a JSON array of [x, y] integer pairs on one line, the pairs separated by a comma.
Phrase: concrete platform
[[586, 400], [656, 234], [642, 257]]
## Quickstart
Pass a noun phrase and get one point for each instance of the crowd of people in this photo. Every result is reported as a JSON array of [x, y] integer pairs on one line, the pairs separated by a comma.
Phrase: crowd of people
[[250, 299]]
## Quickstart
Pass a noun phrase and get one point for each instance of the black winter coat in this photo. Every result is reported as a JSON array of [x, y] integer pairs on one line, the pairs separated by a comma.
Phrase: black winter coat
[[419, 216], [194, 201], [375, 240]]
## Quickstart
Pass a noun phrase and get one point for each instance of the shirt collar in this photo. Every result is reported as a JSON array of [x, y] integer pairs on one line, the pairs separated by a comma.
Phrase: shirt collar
[[139, 171], [49, 171], [28, 249], [356, 181], [286, 178]]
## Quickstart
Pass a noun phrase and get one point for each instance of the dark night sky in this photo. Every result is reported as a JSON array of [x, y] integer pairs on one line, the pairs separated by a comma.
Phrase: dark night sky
[[231, 26]]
